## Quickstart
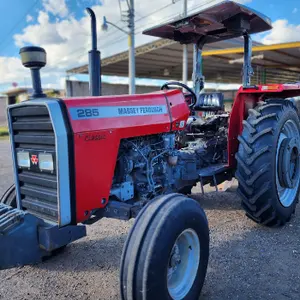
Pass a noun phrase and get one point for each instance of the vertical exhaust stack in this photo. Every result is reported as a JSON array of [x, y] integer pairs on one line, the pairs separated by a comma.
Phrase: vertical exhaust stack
[[34, 58], [94, 59]]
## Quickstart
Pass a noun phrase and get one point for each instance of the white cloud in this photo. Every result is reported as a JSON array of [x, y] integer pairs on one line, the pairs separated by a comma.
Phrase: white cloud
[[295, 10], [68, 40], [11, 69], [29, 18], [42, 33], [282, 32], [56, 7], [243, 1]]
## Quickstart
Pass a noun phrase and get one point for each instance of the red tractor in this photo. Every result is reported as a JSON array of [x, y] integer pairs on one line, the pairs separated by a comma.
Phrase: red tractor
[[78, 160]]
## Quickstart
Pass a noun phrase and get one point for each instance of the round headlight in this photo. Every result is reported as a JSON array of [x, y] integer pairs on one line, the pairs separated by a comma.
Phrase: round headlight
[[210, 103], [215, 100]]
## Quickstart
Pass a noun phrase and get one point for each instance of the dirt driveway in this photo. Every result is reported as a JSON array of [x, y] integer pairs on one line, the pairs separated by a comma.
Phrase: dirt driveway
[[247, 261]]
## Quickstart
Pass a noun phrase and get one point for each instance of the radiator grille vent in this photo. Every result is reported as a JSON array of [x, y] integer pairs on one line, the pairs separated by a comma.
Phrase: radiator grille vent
[[33, 133]]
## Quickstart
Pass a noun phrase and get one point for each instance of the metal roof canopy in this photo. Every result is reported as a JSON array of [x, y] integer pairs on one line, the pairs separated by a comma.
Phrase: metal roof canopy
[[223, 21], [222, 62]]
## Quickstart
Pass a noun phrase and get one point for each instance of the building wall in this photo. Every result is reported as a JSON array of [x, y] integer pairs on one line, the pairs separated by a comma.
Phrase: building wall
[[3, 121], [81, 88]]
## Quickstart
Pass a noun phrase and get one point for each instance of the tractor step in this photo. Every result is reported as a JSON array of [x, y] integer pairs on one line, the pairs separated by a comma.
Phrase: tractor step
[[26, 239], [210, 174]]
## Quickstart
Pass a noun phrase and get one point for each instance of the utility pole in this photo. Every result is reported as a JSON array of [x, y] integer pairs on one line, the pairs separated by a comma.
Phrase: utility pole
[[185, 51], [131, 45], [128, 17]]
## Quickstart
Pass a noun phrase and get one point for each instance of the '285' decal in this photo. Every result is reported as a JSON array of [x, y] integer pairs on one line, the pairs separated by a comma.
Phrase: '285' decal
[[87, 113]]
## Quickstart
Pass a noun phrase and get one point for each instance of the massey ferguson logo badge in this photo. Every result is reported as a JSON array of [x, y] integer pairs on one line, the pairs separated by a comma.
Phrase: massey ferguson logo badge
[[34, 159]]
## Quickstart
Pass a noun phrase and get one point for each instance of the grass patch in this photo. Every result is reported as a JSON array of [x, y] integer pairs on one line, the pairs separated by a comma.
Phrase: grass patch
[[3, 131]]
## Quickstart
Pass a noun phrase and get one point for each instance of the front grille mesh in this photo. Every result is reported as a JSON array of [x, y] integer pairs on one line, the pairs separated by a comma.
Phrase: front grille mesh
[[33, 132]]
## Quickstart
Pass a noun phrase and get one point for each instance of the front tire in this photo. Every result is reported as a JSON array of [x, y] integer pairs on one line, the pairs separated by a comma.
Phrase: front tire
[[9, 197], [268, 162], [166, 253]]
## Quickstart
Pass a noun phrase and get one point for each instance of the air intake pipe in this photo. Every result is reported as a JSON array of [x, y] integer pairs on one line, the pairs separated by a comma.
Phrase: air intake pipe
[[34, 58]]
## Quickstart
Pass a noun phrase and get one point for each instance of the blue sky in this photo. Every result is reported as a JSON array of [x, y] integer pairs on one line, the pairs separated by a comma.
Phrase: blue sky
[[62, 27]]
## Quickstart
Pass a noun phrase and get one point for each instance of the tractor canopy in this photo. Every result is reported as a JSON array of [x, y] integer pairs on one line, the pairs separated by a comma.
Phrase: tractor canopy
[[223, 21]]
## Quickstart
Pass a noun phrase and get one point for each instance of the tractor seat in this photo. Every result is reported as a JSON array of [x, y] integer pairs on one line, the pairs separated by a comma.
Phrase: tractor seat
[[210, 102]]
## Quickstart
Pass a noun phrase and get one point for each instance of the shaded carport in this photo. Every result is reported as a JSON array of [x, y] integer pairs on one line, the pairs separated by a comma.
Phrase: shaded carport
[[162, 59]]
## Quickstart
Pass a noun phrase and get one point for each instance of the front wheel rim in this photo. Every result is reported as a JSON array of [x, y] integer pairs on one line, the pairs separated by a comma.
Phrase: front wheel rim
[[183, 264]]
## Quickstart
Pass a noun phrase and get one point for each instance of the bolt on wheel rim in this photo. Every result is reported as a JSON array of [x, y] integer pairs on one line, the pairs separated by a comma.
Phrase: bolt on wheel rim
[[183, 264], [287, 195]]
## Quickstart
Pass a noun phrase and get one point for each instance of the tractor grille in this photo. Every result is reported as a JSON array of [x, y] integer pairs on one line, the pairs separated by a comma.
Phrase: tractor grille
[[33, 133]]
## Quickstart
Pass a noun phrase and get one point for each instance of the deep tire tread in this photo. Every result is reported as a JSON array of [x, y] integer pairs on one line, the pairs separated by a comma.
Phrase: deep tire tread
[[243, 142], [257, 121], [254, 162], [9, 197]]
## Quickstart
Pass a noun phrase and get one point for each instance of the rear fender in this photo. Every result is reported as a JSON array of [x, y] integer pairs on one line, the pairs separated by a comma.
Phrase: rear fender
[[247, 98]]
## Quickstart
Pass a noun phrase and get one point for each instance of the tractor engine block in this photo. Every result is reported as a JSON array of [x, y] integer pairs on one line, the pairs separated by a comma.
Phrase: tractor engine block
[[143, 166], [158, 164]]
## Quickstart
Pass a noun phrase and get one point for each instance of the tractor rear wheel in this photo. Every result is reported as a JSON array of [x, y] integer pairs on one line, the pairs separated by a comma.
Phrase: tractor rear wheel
[[268, 162], [9, 197], [166, 253]]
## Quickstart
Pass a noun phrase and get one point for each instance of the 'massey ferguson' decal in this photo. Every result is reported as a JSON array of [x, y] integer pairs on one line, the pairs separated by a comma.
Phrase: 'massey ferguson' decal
[[97, 112]]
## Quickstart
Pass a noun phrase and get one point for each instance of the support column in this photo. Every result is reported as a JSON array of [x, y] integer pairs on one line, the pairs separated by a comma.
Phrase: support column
[[131, 44], [185, 51]]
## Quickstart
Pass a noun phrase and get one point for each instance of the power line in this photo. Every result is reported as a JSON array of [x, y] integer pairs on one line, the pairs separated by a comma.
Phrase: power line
[[141, 18], [165, 20], [18, 23], [109, 43], [154, 12]]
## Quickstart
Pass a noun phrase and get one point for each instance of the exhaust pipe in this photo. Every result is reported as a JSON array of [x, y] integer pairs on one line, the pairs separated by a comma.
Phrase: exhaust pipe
[[94, 59]]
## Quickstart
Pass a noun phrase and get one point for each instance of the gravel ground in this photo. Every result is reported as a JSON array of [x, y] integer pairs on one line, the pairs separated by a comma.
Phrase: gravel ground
[[247, 261]]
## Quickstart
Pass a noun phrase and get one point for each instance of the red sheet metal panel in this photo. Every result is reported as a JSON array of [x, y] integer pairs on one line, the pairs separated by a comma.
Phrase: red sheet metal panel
[[248, 98], [99, 124]]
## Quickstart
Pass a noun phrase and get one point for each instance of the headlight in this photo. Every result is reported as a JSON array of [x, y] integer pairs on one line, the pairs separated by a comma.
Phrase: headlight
[[215, 100], [23, 159], [46, 162]]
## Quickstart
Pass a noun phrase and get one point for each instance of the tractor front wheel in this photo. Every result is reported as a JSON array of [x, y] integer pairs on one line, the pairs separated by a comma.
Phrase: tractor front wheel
[[268, 162], [9, 197], [166, 252]]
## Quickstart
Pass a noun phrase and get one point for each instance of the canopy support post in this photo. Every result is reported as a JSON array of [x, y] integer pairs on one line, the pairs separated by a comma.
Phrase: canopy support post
[[247, 67]]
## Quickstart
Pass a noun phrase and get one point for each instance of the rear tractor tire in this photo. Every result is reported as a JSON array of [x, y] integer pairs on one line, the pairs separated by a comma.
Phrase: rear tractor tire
[[166, 253], [268, 162]]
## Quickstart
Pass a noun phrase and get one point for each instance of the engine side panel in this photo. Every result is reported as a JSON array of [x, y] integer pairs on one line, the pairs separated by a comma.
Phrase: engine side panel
[[178, 109], [99, 123]]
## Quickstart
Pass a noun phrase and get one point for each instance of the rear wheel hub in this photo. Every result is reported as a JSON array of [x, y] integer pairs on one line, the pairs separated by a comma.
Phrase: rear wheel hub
[[288, 163]]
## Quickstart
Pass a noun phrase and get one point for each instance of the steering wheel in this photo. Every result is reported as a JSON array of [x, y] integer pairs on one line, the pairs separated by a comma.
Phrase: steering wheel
[[191, 93]]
